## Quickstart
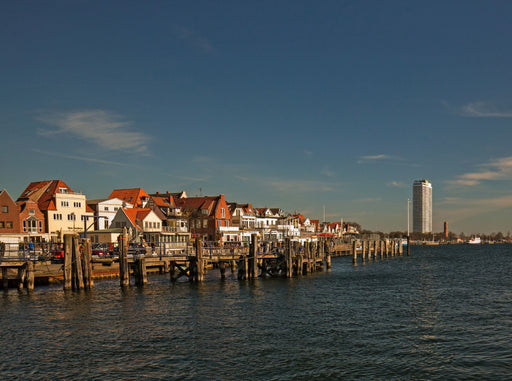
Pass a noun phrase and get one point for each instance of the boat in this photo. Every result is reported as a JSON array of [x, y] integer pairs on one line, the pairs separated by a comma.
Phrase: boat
[[475, 241]]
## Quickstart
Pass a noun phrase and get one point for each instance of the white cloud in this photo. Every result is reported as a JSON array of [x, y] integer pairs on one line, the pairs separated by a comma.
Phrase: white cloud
[[81, 158], [500, 169], [396, 184], [481, 109], [375, 158], [103, 128], [327, 172], [194, 38]]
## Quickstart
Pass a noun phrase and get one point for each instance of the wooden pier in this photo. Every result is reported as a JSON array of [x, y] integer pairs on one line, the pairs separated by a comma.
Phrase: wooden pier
[[287, 259]]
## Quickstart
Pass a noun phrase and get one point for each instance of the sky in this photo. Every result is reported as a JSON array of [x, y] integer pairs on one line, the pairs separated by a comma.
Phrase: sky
[[300, 105]]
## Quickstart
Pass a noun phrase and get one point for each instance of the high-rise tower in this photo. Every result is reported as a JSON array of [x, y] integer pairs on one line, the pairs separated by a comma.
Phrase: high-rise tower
[[422, 206]]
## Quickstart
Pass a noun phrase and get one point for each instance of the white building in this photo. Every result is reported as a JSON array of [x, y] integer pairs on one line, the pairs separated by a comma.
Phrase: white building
[[422, 206], [105, 211]]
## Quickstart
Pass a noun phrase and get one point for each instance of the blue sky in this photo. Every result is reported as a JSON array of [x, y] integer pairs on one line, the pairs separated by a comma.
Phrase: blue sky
[[291, 104]]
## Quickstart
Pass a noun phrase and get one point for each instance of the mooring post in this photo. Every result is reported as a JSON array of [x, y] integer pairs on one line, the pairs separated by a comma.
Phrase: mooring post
[[363, 250], [400, 248], [21, 276], [199, 258], [30, 276], [172, 271], [253, 254], [327, 255], [381, 248], [124, 271], [288, 256], [77, 264], [141, 274], [5, 279], [68, 259], [354, 252], [87, 264]]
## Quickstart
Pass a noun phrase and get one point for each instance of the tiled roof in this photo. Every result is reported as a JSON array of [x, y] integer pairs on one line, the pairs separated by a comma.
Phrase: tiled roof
[[43, 192], [133, 195]]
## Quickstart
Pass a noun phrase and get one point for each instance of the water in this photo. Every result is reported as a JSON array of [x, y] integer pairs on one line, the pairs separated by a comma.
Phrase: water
[[443, 313]]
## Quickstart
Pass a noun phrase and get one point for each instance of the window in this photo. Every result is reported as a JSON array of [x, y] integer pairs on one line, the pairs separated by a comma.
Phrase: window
[[40, 226], [222, 212], [31, 212], [77, 204], [205, 223], [8, 224], [57, 216], [105, 208], [63, 190], [116, 208], [64, 203], [72, 217], [2, 225], [85, 218], [5, 209]]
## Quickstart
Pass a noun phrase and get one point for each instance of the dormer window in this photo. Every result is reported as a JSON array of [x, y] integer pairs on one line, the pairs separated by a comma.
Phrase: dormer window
[[63, 190]]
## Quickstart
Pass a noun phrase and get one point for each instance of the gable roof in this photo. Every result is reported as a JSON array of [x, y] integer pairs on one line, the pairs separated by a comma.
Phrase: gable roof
[[43, 193], [133, 195], [196, 204]]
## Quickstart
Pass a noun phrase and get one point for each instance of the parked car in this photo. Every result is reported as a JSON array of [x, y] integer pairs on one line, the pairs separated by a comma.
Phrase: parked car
[[58, 252], [100, 250]]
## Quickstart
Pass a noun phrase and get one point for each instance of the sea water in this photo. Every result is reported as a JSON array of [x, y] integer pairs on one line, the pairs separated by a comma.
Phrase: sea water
[[445, 312]]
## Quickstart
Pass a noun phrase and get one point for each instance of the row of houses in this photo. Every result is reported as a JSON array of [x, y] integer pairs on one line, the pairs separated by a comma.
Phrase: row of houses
[[46, 210]]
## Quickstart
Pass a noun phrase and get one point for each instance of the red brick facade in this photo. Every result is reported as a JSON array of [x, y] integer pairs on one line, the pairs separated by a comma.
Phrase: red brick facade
[[9, 214], [31, 219]]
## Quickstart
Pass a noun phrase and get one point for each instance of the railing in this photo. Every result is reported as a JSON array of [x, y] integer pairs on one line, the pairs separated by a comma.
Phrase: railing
[[174, 229]]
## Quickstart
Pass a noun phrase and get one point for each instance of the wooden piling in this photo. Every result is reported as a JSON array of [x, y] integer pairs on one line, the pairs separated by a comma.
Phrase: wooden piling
[[363, 250], [21, 276], [381, 247], [253, 255], [200, 261], [68, 260], [30, 276], [141, 277], [124, 271], [408, 246], [77, 275], [5, 279], [354, 252], [87, 263]]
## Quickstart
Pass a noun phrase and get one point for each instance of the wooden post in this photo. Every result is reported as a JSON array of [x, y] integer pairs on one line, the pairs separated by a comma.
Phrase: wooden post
[[68, 260], [141, 274], [354, 252], [328, 255], [381, 249], [199, 257], [408, 246], [30, 276], [21, 276], [222, 269], [253, 255], [363, 249], [393, 248], [87, 264], [288, 255], [77, 265], [400, 248], [5, 279], [124, 271], [172, 271]]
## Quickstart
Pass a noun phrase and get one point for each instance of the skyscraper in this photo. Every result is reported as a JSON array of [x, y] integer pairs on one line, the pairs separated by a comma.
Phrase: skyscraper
[[422, 206]]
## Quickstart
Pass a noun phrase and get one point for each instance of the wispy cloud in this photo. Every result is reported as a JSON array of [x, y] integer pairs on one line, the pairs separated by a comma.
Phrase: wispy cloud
[[327, 172], [482, 109], [500, 169], [80, 158], [376, 158], [193, 37], [396, 184], [103, 128]]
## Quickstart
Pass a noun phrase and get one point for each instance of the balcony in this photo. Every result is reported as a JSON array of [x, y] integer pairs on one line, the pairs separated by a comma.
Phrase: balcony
[[228, 229], [174, 229]]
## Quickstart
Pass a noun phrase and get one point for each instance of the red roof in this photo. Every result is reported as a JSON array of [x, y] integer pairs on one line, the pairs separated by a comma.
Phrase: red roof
[[133, 196], [43, 193]]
